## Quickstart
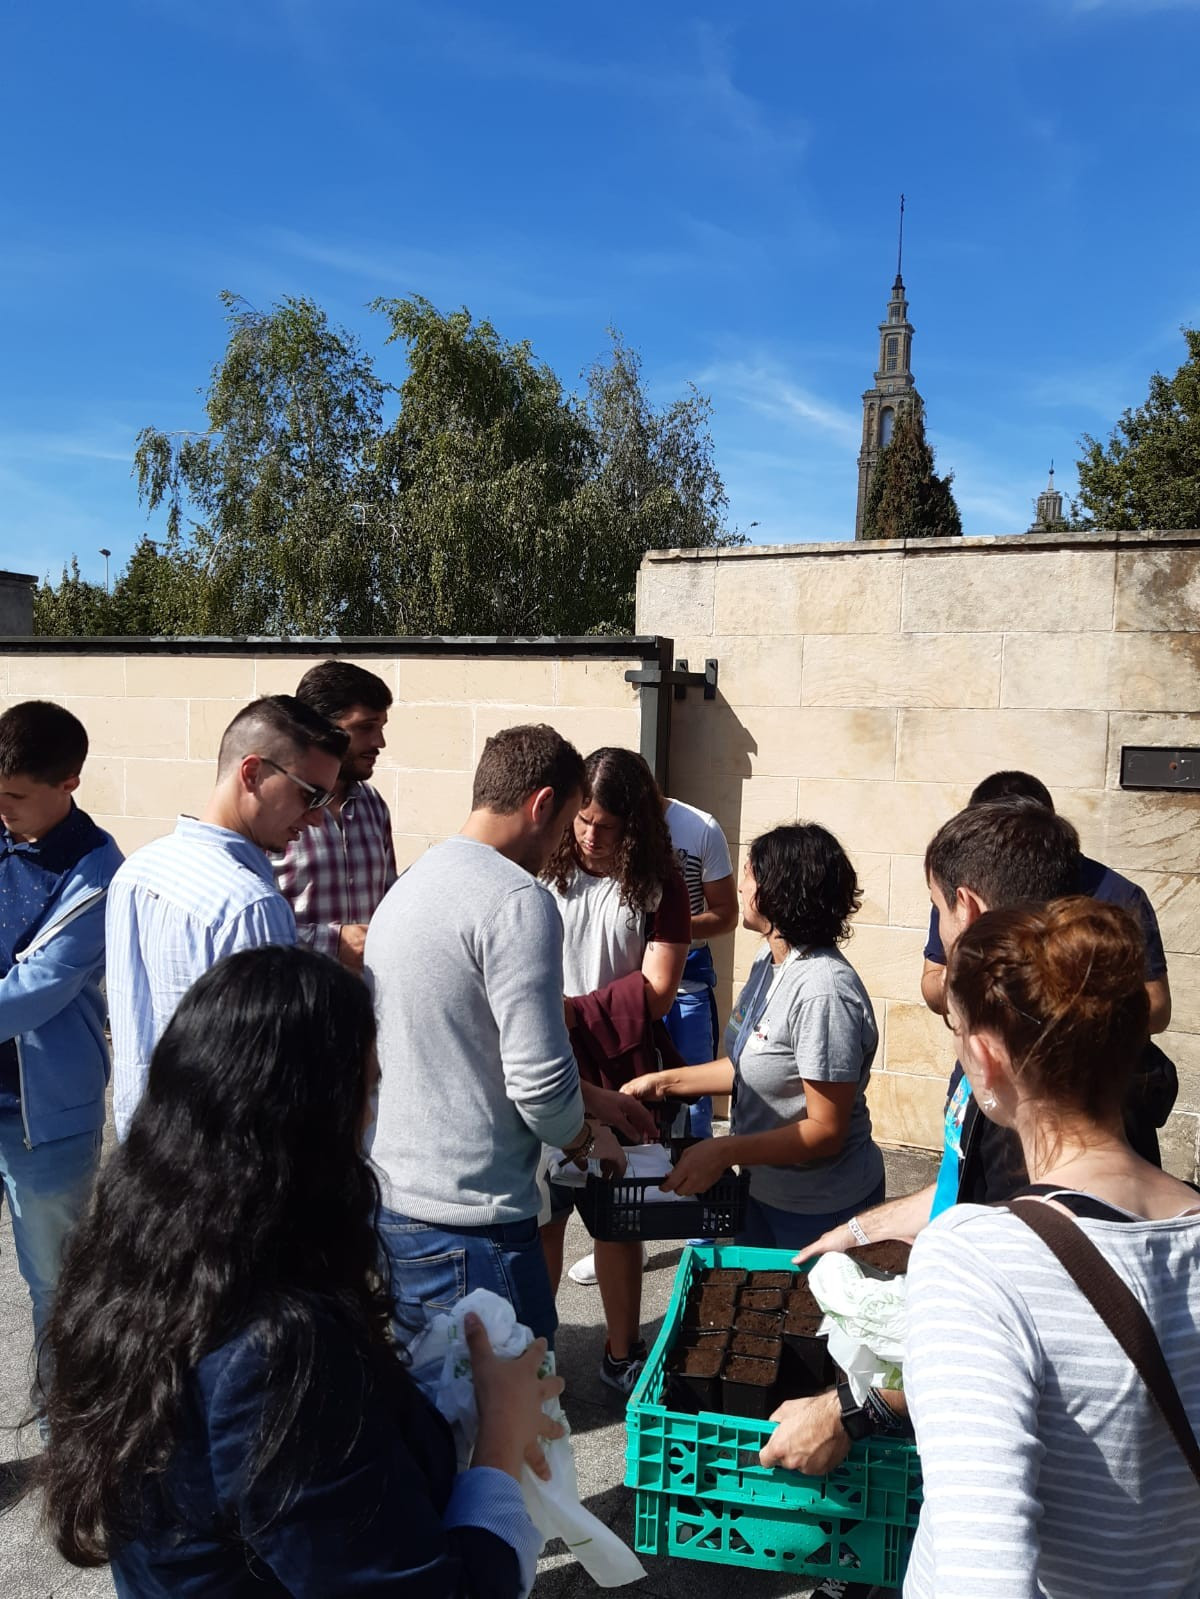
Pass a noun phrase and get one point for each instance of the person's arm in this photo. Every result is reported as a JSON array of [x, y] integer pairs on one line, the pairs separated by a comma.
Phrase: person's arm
[[1158, 991], [809, 1435], [720, 913], [899, 1219], [973, 1375], [662, 968], [521, 957], [818, 1135], [54, 973], [933, 986], [692, 1082], [363, 1519]]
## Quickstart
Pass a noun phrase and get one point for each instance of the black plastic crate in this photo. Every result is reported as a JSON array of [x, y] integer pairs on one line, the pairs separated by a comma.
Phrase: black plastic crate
[[616, 1210]]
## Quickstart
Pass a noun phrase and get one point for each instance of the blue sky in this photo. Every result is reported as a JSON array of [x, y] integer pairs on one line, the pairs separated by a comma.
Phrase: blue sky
[[719, 183]]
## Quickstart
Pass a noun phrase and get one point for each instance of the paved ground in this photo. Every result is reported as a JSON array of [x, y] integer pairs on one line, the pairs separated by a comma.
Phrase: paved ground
[[29, 1569]]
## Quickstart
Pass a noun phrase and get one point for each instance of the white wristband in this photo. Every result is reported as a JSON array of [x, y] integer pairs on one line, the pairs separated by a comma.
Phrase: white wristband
[[856, 1231]]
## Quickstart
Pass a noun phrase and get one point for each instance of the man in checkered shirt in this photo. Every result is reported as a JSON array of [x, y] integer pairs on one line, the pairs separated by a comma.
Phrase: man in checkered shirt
[[337, 871]]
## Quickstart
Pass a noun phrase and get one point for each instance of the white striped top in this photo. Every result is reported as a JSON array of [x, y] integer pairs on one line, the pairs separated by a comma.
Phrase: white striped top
[[1048, 1471], [174, 909]]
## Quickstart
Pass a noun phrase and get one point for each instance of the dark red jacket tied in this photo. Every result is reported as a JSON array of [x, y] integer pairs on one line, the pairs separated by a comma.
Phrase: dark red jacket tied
[[614, 1038]]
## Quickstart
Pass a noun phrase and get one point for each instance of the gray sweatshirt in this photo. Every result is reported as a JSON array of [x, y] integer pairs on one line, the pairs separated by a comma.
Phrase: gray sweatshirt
[[465, 958]]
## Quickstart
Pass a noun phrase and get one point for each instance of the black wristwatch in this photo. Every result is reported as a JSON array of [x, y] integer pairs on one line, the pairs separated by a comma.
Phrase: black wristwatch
[[856, 1419]]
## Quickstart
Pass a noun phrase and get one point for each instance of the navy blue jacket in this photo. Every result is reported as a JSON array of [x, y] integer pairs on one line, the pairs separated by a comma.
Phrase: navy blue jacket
[[380, 1509]]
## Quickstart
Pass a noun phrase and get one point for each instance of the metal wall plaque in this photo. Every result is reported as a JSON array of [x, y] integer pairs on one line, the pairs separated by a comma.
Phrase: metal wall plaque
[[1159, 767]]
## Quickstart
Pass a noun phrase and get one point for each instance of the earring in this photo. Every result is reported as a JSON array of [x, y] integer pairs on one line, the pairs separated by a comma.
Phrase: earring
[[988, 1102]]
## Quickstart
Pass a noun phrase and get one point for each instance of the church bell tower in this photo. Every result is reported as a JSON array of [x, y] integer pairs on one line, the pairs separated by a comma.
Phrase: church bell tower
[[895, 388]]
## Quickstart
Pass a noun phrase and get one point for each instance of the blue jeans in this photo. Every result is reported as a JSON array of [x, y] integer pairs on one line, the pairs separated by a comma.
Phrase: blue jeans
[[47, 1189], [692, 1024], [434, 1267], [768, 1227]]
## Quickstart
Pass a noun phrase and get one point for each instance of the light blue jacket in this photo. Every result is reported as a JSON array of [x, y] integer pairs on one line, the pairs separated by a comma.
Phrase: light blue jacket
[[51, 1005]]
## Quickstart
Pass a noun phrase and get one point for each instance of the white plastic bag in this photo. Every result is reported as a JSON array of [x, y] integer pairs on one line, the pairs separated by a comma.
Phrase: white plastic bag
[[864, 1319], [441, 1365]]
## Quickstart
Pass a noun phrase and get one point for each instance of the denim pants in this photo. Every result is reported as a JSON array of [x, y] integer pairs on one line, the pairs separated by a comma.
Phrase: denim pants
[[692, 1024], [47, 1189], [768, 1227], [434, 1267]]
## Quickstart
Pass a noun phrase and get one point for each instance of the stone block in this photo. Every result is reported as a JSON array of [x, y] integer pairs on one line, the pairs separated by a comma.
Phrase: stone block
[[888, 959], [918, 1042], [1156, 832], [435, 804], [1061, 747], [676, 596], [458, 679], [746, 809], [62, 677], [1102, 671], [588, 727], [1175, 897], [752, 670], [906, 1110], [909, 892], [874, 878], [229, 677], [1184, 975], [765, 593], [816, 742], [409, 847], [1179, 1144], [601, 682], [132, 832], [1049, 590], [102, 787], [167, 789], [440, 737], [1184, 1050], [881, 818], [1158, 591], [280, 674], [207, 721], [146, 728], [954, 670]]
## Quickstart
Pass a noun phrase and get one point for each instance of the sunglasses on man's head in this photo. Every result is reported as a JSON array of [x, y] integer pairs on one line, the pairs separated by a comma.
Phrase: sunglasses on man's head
[[318, 798]]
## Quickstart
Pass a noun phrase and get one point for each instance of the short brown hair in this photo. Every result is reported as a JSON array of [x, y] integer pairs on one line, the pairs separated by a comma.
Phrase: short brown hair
[[279, 727], [1004, 851], [332, 687], [518, 761], [1064, 986], [41, 740]]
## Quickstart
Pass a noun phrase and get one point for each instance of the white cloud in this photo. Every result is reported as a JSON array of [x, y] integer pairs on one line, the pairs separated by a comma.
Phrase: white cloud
[[763, 387]]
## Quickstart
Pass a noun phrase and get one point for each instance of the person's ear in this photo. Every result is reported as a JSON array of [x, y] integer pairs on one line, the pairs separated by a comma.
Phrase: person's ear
[[968, 906], [70, 784], [249, 773], [541, 807], [989, 1071]]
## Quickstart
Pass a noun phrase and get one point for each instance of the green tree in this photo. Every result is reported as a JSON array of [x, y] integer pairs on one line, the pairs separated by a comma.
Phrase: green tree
[[492, 502], [75, 609], [907, 499], [1148, 474]]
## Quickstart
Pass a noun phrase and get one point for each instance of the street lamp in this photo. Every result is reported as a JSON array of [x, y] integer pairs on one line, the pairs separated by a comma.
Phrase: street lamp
[[106, 554]]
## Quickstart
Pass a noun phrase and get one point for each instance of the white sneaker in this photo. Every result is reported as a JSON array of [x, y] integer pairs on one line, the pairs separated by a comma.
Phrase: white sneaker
[[584, 1271]]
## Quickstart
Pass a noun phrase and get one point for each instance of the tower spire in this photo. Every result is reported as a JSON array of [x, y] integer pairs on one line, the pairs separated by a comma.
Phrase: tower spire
[[900, 242]]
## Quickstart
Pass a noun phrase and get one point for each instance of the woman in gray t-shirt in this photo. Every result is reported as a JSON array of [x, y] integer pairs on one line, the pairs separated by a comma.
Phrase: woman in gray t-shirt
[[799, 1047]]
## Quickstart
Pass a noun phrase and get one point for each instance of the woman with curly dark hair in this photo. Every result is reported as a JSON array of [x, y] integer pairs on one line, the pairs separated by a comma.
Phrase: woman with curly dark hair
[[800, 1044], [227, 1412], [625, 910]]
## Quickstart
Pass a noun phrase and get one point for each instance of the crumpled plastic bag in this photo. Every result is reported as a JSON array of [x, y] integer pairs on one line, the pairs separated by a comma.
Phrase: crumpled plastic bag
[[441, 1366], [864, 1320]]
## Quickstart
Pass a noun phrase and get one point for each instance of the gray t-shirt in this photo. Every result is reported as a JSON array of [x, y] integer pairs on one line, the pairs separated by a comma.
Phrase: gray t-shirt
[[807, 1018], [465, 957]]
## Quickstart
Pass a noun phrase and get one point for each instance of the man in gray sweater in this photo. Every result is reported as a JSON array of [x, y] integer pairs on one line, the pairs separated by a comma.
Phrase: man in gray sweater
[[465, 956]]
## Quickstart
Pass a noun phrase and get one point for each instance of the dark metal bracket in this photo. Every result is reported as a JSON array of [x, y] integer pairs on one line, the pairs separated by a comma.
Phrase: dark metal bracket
[[678, 678]]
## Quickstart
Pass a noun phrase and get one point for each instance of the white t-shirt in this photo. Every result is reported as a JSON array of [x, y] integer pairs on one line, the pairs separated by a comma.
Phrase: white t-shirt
[[702, 854], [602, 939]]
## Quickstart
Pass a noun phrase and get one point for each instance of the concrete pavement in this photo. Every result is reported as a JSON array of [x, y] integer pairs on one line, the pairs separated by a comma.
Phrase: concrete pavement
[[30, 1569]]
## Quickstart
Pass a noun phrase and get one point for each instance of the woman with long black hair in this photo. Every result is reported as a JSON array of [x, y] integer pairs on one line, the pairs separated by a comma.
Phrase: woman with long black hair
[[227, 1412]]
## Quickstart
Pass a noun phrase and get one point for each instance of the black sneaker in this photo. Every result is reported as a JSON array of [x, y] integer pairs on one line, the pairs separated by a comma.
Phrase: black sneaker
[[623, 1374]]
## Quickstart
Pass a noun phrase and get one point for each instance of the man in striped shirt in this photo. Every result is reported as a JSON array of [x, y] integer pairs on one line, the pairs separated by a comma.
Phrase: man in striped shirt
[[338, 870], [207, 889]]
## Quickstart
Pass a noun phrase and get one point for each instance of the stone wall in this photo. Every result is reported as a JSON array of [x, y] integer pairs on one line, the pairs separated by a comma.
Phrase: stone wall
[[870, 687], [155, 715]]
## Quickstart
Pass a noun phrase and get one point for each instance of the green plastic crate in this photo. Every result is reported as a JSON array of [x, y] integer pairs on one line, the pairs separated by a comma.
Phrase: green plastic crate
[[702, 1495]]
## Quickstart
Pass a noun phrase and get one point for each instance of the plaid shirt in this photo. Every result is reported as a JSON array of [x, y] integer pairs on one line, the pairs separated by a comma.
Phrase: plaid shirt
[[337, 871]]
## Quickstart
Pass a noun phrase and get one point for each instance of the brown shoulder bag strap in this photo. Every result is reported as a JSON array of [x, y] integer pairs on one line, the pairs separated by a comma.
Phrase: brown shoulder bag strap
[[1117, 1308]]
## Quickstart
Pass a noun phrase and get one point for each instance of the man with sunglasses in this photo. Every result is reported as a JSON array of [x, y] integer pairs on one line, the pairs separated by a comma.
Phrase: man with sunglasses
[[207, 889]]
